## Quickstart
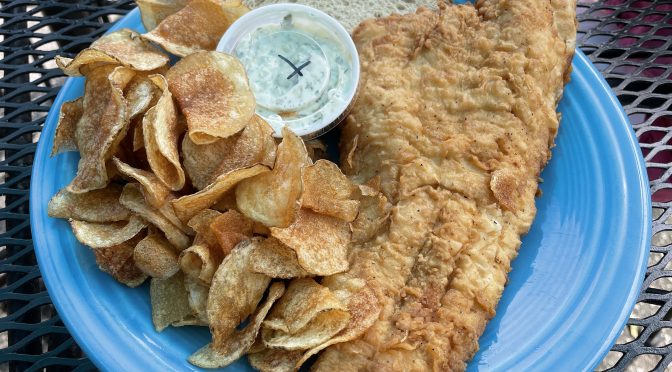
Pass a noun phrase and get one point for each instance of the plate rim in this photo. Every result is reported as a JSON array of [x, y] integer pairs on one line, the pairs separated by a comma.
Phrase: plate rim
[[646, 211], [105, 361]]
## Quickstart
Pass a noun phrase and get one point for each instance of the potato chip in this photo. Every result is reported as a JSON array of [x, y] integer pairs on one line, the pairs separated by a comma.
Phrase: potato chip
[[124, 47], [254, 145], [190, 320], [271, 198], [169, 301], [138, 137], [200, 262], [275, 360], [374, 212], [188, 206], [118, 262], [198, 299], [156, 257], [276, 260], [234, 293], [213, 93], [230, 228], [132, 198], [364, 308], [64, 138], [102, 126], [155, 192], [259, 229], [201, 221], [167, 211], [217, 355], [227, 201], [306, 316], [153, 12], [303, 301], [87, 60], [103, 235], [161, 132], [320, 242], [257, 346], [201, 224], [201, 161], [140, 94], [94, 206], [327, 191], [316, 150], [197, 26], [320, 330]]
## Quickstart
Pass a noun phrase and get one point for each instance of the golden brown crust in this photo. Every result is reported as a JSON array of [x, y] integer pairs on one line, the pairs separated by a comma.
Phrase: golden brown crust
[[456, 115]]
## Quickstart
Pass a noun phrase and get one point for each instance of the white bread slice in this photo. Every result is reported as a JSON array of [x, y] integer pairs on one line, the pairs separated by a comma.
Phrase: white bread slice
[[351, 12]]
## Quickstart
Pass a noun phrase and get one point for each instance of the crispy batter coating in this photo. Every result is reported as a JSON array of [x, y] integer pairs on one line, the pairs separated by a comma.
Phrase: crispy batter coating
[[456, 115]]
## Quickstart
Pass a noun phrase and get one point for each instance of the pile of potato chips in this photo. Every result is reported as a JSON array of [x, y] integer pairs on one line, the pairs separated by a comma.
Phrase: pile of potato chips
[[179, 181]]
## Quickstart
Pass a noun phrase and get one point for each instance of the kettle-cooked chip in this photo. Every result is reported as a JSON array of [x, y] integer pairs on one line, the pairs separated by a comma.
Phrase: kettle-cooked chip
[[154, 191], [302, 302], [234, 293], [103, 235], [141, 94], [306, 316], [213, 93], [161, 132], [198, 299], [254, 145], [188, 206], [94, 206], [201, 224], [200, 262], [317, 149], [167, 211], [197, 26], [320, 330], [275, 360], [271, 198], [364, 308], [230, 228], [201, 161], [153, 12], [201, 221], [276, 260], [64, 138], [217, 355], [124, 47], [102, 126], [156, 257], [320, 242], [169, 301], [228, 201], [132, 198], [326, 190], [118, 262], [138, 137]]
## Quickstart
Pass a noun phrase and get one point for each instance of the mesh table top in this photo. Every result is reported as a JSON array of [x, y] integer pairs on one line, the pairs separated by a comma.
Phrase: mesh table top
[[629, 41]]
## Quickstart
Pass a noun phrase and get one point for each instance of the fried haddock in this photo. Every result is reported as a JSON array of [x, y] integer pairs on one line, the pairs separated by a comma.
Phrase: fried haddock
[[456, 117]]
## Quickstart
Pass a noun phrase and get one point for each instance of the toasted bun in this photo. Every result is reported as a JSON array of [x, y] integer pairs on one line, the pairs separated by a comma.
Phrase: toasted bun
[[351, 12]]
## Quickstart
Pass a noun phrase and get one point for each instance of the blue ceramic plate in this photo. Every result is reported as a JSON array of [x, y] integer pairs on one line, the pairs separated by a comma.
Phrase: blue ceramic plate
[[570, 291]]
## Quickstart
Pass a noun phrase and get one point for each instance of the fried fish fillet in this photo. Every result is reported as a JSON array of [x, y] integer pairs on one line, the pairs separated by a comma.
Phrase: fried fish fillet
[[456, 117]]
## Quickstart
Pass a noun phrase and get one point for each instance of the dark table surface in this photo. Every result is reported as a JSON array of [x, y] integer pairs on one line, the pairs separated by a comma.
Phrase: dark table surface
[[629, 41]]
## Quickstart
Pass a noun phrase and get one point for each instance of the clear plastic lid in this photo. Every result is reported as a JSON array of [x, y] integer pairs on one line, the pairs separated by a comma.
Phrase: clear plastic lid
[[302, 65]]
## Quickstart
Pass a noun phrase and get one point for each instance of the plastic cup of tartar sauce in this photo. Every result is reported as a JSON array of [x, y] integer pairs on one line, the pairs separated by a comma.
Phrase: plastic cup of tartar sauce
[[302, 66]]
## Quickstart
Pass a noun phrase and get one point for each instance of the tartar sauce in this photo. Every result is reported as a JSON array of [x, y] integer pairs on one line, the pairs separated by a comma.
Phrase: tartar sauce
[[299, 71]]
